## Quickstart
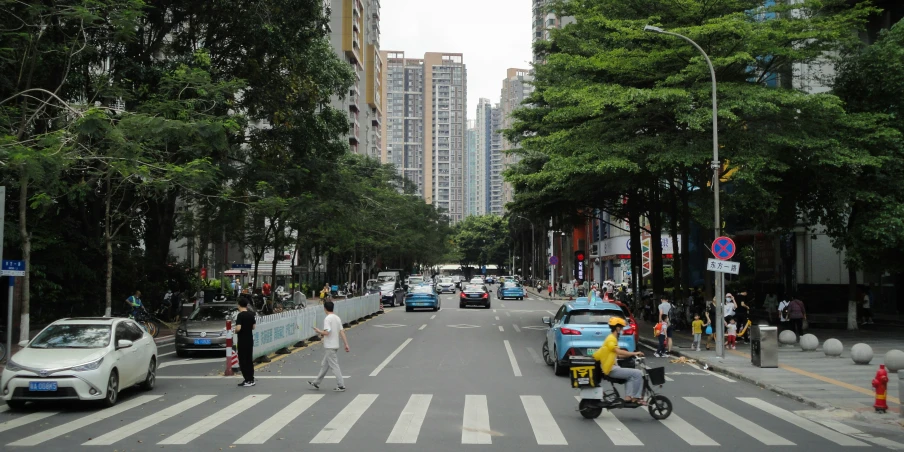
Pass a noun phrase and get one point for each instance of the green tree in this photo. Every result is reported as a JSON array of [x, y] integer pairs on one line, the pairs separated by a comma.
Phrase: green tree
[[482, 240]]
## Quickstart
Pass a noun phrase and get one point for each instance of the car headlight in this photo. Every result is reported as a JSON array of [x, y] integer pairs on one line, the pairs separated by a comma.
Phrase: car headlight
[[181, 332], [93, 365], [11, 365]]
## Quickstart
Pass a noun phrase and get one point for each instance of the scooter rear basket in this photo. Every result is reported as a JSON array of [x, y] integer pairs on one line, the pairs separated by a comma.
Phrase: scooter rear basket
[[657, 375]]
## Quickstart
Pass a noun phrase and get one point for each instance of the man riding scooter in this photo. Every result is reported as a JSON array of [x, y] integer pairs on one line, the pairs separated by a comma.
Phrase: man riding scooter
[[608, 354]]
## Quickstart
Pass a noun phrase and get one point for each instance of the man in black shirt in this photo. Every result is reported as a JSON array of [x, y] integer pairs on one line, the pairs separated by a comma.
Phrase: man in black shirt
[[244, 328]]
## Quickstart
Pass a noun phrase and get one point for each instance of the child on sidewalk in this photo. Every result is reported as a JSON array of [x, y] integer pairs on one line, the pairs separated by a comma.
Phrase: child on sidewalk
[[731, 334], [660, 330], [697, 328]]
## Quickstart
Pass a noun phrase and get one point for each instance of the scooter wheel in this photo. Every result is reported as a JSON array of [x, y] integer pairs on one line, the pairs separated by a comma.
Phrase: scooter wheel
[[660, 407], [589, 411]]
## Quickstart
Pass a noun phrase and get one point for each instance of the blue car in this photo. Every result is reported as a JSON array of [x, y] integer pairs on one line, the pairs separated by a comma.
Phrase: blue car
[[510, 289], [579, 329], [420, 297]]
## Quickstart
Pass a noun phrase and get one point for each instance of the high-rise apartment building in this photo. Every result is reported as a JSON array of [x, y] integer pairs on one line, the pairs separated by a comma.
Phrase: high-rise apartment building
[[545, 20], [471, 171], [496, 167], [515, 88], [484, 125], [425, 101], [355, 36], [403, 127]]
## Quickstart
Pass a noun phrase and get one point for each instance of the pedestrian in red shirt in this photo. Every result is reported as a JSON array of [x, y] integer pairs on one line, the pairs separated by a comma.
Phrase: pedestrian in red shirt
[[266, 289]]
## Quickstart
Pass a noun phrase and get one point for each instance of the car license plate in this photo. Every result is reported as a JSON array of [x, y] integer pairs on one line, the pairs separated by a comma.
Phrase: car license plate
[[42, 386], [202, 341], [591, 351]]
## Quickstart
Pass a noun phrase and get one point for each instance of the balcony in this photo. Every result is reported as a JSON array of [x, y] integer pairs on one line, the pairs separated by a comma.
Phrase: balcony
[[353, 131]]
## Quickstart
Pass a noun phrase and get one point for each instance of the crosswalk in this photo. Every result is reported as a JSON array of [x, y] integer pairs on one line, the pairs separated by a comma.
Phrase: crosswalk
[[696, 421]]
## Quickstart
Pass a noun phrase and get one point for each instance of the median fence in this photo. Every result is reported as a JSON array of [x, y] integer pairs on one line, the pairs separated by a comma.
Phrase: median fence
[[279, 331]]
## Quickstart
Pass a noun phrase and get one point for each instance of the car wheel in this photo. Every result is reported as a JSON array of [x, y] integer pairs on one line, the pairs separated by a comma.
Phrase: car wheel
[[151, 379], [557, 366], [16, 405], [461, 306], [436, 308], [547, 358], [112, 395], [488, 305], [408, 309], [182, 353]]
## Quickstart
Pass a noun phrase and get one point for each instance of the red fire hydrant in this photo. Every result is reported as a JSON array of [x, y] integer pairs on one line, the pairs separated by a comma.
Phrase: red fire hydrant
[[881, 385]]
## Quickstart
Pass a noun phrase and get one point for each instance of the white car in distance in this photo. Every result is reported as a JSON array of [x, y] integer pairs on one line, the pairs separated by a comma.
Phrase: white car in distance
[[81, 359]]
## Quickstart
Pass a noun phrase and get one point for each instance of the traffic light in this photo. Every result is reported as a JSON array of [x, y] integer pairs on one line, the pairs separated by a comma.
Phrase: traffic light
[[579, 256]]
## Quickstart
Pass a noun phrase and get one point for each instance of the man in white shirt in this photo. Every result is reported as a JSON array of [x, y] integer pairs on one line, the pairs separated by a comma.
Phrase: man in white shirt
[[783, 315], [331, 332]]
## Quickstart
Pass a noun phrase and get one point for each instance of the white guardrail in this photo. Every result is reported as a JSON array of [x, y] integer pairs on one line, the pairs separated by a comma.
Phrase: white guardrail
[[277, 331]]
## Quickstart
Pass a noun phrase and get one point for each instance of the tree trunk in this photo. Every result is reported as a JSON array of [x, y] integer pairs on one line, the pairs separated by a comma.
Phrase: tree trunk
[[685, 248], [636, 253], [161, 222], [24, 323], [108, 243], [656, 249], [852, 299], [678, 289]]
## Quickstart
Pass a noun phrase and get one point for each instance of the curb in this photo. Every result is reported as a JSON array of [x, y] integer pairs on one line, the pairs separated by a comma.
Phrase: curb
[[739, 376]]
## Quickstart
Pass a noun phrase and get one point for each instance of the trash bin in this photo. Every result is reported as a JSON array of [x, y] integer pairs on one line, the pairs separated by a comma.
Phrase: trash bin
[[764, 346]]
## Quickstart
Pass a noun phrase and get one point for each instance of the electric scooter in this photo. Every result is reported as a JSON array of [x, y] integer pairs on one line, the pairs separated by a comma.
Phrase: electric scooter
[[586, 375]]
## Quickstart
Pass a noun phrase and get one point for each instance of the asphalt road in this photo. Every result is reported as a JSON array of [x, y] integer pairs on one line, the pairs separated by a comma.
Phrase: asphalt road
[[451, 380]]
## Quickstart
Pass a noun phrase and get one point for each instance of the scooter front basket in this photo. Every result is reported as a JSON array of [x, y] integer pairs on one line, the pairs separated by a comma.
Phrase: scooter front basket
[[657, 375]]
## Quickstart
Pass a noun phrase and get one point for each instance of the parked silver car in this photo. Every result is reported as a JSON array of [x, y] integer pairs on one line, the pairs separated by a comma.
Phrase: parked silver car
[[205, 328]]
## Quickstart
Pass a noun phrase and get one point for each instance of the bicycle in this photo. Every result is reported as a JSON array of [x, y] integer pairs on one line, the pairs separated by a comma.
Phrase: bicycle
[[147, 321]]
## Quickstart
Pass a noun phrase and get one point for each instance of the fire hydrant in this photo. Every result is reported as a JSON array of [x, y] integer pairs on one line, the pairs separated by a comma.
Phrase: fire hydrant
[[881, 385]]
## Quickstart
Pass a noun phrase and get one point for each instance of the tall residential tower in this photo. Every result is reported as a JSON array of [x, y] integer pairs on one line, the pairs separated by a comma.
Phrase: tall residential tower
[[515, 88]]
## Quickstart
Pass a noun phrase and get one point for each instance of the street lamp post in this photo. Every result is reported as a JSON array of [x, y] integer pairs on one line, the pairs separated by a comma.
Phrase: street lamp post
[[715, 166]]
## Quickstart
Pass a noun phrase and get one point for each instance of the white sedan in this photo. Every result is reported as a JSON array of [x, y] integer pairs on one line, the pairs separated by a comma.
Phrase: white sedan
[[81, 359]]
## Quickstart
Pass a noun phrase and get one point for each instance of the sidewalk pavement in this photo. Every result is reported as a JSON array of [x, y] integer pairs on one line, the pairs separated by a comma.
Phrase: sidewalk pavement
[[809, 377]]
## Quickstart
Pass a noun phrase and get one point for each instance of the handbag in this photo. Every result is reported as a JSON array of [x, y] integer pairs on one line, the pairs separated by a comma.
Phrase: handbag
[[806, 325], [709, 329]]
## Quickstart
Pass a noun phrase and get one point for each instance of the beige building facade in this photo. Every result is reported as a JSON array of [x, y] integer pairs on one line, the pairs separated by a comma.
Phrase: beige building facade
[[516, 87]]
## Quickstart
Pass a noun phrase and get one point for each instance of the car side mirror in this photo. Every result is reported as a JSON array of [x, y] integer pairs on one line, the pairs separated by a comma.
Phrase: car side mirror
[[23, 344], [123, 343], [547, 320]]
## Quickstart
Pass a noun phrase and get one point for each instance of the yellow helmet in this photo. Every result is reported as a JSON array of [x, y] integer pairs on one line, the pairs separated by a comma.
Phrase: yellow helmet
[[615, 321]]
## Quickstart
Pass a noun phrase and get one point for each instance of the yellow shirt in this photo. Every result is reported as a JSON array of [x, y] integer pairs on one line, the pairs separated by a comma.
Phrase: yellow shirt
[[697, 326], [606, 354]]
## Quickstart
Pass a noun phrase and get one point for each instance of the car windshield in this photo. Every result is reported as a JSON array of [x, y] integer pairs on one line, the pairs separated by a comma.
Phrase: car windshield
[[511, 284], [386, 278], [476, 281], [422, 289], [207, 312], [445, 280], [592, 317], [73, 336], [473, 288], [387, 287]]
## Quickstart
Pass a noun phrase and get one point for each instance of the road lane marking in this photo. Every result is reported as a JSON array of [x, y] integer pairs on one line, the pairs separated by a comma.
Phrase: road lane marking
[[148, 421], [27, 419], [256, 377], [848, 430], [165, 354], [712, 373], [389, 358], [476, 426], [806, 424], [517, 328], [408, 427], [494, 311], [551, 313], [189, 361], [511, 357], [507, 314], [503, 305], [497, 317], [345, 420], [536, 356], [739, 422], [687, 432], [210, 422], [432, 316], [82, 422], [546, 431], [423, 326], [501, 328], [614, 429], [268, 428]]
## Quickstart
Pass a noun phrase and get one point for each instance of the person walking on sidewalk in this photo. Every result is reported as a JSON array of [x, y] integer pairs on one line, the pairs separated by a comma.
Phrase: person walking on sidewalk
[[331, 332], [731, 334], [784, 321], [710, 318], [866, 315], [666, 313], [697, 329], [661, 330], [798, 314], [245, 323]]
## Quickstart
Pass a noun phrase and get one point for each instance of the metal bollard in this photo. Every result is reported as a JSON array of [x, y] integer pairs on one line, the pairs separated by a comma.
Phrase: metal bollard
[[901, 388]]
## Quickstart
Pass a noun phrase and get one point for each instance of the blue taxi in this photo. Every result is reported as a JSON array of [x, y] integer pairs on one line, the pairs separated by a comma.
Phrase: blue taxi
[[510, 289], [579, 329], [420, 297]]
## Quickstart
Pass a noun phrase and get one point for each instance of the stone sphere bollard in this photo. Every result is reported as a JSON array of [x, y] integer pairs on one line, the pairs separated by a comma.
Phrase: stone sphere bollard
[[787, 337], [894, 360], [809, 343], [833, 348], [861, 353]]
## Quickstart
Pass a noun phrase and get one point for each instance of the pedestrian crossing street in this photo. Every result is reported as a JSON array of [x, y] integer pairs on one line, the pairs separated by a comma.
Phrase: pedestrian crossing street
[[696, 421]]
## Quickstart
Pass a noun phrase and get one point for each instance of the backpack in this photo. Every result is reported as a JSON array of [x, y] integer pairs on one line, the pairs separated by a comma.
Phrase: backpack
[[657, 330], [786, 311], [672, 316]]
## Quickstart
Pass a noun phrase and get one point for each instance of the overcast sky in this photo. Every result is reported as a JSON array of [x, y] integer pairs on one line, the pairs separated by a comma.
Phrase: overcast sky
[[493, 35]]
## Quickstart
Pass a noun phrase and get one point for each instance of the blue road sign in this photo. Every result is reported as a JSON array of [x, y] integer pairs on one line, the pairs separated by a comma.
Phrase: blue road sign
[[553, 260], [13, 268], [242, 266], [723, 248]]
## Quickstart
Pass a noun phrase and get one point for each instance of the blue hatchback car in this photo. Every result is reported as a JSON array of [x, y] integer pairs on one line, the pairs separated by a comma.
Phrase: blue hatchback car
[[510, 289], [579, 329], [422, 296]]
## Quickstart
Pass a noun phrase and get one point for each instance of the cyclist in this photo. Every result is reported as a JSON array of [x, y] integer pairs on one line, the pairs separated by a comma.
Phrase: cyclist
[[608, 354], [135, 303]]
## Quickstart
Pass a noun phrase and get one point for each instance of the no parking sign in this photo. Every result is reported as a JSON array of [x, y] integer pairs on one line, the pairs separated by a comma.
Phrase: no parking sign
[[723, 248]]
